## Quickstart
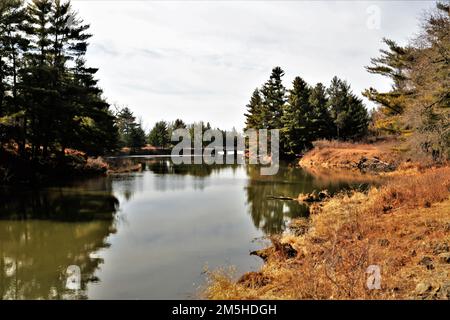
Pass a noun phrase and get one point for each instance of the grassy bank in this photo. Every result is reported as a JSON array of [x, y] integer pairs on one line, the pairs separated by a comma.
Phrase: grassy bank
[[346, 155], [402, 226]]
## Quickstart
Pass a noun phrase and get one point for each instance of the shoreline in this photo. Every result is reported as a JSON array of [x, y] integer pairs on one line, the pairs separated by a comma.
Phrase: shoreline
[[402, 226], [373, 158], [16, 171]]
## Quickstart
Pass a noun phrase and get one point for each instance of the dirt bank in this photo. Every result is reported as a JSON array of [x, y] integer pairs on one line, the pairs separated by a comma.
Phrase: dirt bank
[[402, 228], [377, 157]]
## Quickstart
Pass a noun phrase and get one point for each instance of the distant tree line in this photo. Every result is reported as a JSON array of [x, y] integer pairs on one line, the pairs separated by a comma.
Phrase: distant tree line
[[50, 100], [133, 136], [417, 107], [49, 97], [306, 113]]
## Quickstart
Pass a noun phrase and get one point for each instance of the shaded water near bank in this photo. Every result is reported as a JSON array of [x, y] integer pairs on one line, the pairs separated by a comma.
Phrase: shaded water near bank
[[148, 234]]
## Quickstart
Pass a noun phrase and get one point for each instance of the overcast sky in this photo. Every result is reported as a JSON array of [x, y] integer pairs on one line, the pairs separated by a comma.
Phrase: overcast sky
[[201, 60]]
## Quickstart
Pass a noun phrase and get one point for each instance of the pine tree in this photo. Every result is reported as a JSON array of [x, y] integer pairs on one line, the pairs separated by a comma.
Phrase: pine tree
[[86, 116], [350, 117], [13, 44], [418, 104], [297, 119], [126, 122], [48, 96], [394, 63], [358, 119], [253, 114], [137, 137], [428, 109], [88, 102], [321, 119], [337, 101], [39, 95], [274, 97], [179, 124], [159, 135], [63, 101]]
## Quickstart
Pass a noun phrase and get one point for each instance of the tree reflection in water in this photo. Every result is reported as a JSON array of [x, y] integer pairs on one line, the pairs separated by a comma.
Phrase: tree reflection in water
[[269, 215], [44, 232], [272, 215]]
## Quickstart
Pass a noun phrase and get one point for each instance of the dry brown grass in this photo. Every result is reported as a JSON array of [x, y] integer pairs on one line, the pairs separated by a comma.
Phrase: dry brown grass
[[338, 154], [97, 164], [397, 227], [324, 144], [414, 190]]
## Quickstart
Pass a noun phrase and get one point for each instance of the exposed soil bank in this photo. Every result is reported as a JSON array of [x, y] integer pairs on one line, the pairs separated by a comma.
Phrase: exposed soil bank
[[379, 157], [402, 227]]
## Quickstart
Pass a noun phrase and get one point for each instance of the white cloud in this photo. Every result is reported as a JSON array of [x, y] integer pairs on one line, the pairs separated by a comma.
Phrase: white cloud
[[201, 60]]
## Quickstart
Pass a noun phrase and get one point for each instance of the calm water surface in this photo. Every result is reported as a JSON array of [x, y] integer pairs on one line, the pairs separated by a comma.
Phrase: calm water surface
[[144, 235]]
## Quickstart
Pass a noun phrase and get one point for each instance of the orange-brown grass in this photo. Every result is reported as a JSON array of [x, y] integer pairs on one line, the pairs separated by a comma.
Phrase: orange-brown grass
[[347, 155], [395, 227], [410, 191]]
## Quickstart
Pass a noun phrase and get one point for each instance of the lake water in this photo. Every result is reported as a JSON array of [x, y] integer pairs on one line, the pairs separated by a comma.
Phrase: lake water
[[144, 235]]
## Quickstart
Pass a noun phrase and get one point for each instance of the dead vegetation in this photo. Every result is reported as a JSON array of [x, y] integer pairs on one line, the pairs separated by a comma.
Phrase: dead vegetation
[[403, 227], [338, 154]]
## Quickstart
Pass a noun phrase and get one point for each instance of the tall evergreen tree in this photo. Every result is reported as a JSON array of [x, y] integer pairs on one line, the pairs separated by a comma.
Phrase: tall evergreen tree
[[274, 97], [13, 44], [321, 118], [178, 124], [428, 112], [349, 115], [40, 95], [159, 135], [297, 119], [88, 103], [137, 137], [126, 122], [254, 110], [418, 104], [395, 63], [49, 98], [63, 101]]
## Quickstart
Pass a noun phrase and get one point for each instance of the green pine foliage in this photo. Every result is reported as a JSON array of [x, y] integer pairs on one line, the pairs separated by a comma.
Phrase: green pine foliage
[[321, 119], [178, 124], [418, 104], [350, 118], [254, 111], [393, 63], [131, 134], [273, 99], [307, 113], [159, 135], [49, 98], [297, 119]]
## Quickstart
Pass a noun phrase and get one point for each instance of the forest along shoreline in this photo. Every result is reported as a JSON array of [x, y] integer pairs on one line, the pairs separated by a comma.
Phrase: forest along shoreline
[[401, 226], [74, 164]]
